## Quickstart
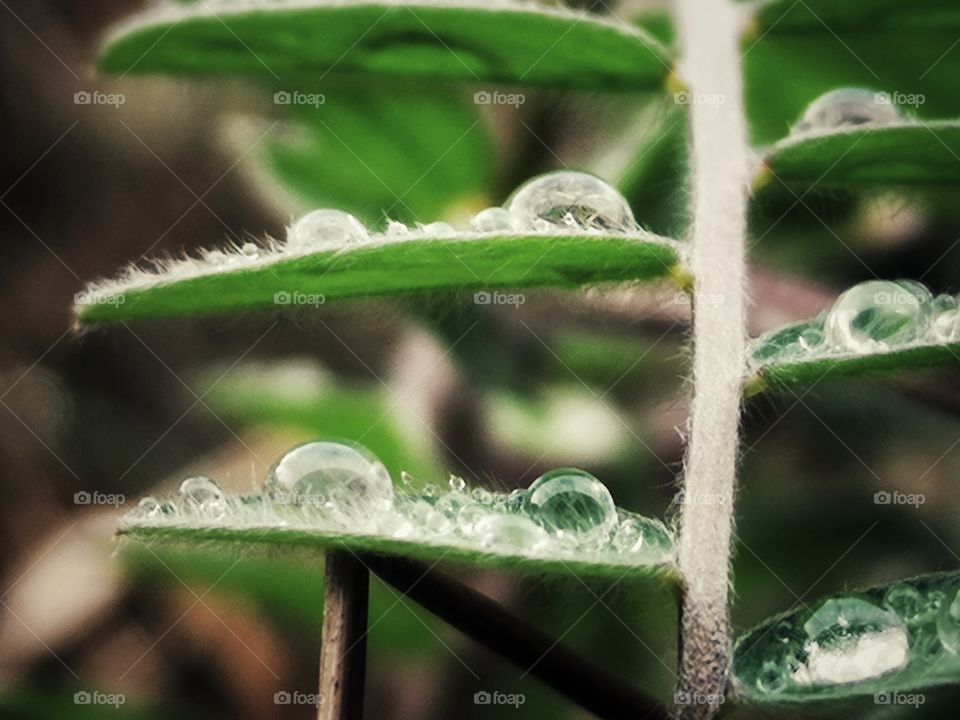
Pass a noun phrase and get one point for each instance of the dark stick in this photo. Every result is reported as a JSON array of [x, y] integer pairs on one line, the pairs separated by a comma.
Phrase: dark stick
[[343, 654], [491, 625]]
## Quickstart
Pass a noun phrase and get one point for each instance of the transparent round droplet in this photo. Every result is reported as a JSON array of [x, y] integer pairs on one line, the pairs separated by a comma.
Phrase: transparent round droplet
[[457, 484], [469, 516], [325, 227], [250, 250], [148, 507], [849, 107], [203, 496], [904, 600], [217, 257], [573, 501], [348, 481], [851, 640], [810, 338], [437, 229], [948, 624], [396, 229], [493, 219], [772, 677], [437, 522], [946, 325], [406, 480], [514, 532], [629, 536], [877, 315], [570, 201]]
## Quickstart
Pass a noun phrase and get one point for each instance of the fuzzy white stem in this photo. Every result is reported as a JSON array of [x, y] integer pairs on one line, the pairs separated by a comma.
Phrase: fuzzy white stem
[[709, 35]]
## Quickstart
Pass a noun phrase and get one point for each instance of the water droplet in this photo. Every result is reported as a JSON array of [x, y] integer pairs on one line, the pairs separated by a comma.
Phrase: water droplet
[[848, 107], [469, 517], [148, 507], [948, 624], [396, 229], [325, 227], [493, 219], [629, 535], [437, 229], [458, 484], [772, 678], [571, 201], [946, 321], [250, 250], [510, 531], [347, 480], [810, 338], [878, 314], [406, 479], [904, 600], [217, 257], [851, 640], [573, 501], [201, 495]]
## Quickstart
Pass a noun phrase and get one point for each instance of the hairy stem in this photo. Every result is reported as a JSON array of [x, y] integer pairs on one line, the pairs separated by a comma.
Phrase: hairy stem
[[709, 35], [343, 654]]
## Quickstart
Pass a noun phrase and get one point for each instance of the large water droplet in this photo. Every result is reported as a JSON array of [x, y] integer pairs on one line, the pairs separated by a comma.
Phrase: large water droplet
[[904, 600], [570, 201], [847, 107], [851, 640], [493, 219], [946, 319], [348, 481], [948, 624], [572, 501], [202, 496], [325, 227], [510, 532], [877, 315]]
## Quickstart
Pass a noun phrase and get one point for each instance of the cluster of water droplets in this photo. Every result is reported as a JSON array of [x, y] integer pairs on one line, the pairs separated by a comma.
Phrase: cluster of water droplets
[[849, 107], [912, 627], [873, 317], [343, 489], [562, 201]]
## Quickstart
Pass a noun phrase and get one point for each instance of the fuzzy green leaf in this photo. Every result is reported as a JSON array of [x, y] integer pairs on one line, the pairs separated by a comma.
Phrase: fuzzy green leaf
[[817, 15], [895, 638], [252, 522], [473, 41], [379, 267], [909, 153]]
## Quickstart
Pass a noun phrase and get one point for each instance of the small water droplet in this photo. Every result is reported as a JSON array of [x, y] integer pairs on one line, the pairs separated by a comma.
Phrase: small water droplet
[[201, 495], [848, 107], [904, 600], [850, 640], [469, 516], [437, 229], [406, 479], [570, 201], [250, 250], [397, 229], [148, 507], [510, 531], [349, 481], [324, 228], [458, 484], [629, 536], [878, 314], [772, 677], [493, 219], [948, 624], [217, 257], [810, 338], [574, 501]]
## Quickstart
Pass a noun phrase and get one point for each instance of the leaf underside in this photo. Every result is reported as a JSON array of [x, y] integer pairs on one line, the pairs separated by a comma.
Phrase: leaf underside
[[469, 41], [780, 368], [922, 606], [904, 154], [463, 262]]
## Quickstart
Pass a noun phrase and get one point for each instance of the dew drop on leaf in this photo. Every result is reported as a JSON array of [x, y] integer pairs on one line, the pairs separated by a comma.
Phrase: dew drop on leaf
[[571, 201], [493, 219], [250, 250], [350, 482], [904, 600], [848, 107], [148, 507], [324, 227], [509, 531], [203, 496], [877, 315], [573, 501], [437, 229], [850, 640]]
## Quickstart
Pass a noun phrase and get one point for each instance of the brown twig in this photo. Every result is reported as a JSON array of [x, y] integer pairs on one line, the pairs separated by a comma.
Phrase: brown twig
[[343, 654], [536, 653]]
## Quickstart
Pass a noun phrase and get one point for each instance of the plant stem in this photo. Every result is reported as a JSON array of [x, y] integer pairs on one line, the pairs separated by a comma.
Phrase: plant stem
[[343, 654], [537, 654], [709, 36]]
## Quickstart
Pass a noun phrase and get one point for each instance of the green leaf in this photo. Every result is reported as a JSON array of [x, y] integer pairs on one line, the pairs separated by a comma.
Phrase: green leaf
[[465, 40], [512, 539], [382, 266], [909, 153], [391, 150], [819, 15], [895, 638]]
